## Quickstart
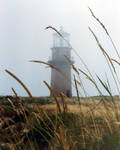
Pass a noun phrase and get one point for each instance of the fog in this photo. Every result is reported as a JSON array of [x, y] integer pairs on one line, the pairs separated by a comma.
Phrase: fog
[[23, 38]]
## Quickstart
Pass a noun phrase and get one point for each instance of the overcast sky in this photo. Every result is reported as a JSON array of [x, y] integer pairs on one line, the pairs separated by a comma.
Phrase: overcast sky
[[23, 38]]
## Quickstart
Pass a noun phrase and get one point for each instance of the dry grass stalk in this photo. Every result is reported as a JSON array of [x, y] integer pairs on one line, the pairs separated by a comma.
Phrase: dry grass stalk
[[108, 59], [50, 27], [87, 76], [53, 67], [98, 21], [63, 139], [14, 92], [11, 103], [21, 83], [47, 116], [63, 97], [54, 96], [102, 49], [42, 62], [81, 85], [116, 61], [78, 97], [73, 66], [90, 79], [18, 101], [105, 29]]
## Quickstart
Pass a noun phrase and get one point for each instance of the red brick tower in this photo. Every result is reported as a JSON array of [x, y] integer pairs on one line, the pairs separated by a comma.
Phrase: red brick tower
[[60, 82]]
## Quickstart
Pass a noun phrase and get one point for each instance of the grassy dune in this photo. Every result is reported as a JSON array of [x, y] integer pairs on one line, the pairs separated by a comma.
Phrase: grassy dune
[[93, 126]]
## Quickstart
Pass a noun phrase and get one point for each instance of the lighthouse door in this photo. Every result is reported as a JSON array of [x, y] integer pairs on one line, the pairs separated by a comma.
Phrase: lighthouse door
[[68, 93]]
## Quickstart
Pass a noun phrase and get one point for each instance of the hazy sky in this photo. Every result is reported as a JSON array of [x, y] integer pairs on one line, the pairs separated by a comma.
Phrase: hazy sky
[[23, 38]]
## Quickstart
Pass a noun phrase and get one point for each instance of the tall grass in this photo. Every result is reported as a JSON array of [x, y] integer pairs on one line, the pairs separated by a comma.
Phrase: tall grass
[[88, 125]]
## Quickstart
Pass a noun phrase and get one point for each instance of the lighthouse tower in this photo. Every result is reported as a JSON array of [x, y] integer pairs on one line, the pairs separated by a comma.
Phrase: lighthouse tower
[[61, 82]]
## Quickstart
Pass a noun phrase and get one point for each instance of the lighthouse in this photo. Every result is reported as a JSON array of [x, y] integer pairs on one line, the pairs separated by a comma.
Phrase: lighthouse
[[61, 80]]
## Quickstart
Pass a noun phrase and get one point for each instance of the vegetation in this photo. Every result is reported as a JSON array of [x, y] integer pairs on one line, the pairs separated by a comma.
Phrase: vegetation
[[78, 124]]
